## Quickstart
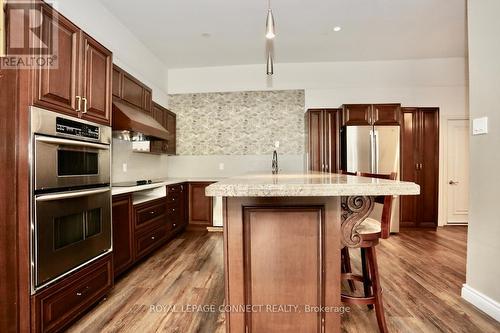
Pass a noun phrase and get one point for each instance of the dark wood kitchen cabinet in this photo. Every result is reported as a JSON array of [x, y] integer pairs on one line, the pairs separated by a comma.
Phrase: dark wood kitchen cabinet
[[176, 206], [80, 83], [200, 206], [123, 255], [150, 227], [59, 305], [322, 131], [57, 88], [168, 120], [420, 164], [131, 90], [371, 114]]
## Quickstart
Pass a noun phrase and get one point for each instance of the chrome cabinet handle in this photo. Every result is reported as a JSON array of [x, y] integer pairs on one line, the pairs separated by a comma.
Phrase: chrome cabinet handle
[[78, 103], [78, 294], [153, 237], [451, 182], [84, 105], [174, 225]]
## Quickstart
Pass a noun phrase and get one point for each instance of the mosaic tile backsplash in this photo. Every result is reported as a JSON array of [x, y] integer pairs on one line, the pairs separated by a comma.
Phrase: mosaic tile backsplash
[[239, 123]]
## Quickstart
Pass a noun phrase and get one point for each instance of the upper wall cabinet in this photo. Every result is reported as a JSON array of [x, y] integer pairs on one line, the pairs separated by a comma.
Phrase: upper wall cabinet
[[168, 120], [131, 90], [371, 114], [80, 84]]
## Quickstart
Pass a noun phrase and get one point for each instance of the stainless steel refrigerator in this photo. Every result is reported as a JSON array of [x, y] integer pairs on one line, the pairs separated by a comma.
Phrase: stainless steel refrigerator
[[374, 149]]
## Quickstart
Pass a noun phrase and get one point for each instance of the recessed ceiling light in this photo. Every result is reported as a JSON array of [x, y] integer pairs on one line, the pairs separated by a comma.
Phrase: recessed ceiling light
[[206, 35], [337, 29]]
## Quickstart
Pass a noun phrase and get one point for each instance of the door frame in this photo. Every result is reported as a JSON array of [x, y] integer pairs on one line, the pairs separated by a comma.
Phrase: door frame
[[445, 170]]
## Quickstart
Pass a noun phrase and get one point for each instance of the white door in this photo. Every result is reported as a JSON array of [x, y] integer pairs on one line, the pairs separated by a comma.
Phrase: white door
[[458, 171]]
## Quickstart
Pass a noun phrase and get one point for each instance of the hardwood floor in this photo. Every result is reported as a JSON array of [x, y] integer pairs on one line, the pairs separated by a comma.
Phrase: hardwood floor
[[422, 274]]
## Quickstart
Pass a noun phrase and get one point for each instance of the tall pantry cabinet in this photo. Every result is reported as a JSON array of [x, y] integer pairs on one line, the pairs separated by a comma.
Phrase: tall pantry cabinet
[[322, 135], [420, 164]]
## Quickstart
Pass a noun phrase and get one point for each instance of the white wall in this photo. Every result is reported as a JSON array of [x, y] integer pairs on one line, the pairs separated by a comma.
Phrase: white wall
[[130, 54], [428, 82], [128, 51], [483, 249]]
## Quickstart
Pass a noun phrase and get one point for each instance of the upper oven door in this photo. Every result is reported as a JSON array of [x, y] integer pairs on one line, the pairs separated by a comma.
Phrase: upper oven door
[[70, 229], [64, 163]]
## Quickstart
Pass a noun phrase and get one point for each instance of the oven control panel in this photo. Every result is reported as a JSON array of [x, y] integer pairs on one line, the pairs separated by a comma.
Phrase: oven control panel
[[77, 129]]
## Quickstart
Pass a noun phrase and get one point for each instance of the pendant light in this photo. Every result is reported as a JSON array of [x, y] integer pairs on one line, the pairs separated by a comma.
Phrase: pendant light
[[270, 64], [270, 30]]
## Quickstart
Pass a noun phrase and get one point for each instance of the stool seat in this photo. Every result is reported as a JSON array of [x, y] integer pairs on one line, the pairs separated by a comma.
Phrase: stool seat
[[369, 226]]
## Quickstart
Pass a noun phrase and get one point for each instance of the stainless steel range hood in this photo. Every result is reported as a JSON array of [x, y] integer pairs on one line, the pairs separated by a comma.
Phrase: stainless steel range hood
[[132, 124]]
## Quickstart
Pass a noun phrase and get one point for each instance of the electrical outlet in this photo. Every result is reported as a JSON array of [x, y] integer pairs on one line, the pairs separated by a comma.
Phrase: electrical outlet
[[480, 126], [221, 166], [124, 167]]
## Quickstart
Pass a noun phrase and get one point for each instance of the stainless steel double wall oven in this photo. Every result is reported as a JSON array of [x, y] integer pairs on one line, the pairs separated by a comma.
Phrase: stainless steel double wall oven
[[71, 194]]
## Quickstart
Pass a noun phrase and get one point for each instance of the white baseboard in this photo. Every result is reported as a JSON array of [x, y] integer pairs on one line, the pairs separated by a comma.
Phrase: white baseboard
[[481, 301]]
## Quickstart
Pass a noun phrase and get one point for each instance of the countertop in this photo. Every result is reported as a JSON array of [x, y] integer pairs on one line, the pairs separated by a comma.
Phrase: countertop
[[308, 184], [115, 190]]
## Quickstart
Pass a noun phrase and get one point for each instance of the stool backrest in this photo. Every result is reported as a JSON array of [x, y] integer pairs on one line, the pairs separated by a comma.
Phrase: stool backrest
[[386, 201]]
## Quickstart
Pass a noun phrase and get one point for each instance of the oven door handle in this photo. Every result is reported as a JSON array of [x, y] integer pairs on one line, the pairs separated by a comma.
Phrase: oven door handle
[[70, 195], [71, 142]]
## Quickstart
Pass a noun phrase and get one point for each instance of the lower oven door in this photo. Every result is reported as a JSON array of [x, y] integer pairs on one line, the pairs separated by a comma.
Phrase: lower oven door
[[70, 229]]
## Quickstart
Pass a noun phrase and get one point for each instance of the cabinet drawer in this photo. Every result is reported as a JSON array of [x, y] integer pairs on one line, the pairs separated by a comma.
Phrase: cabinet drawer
[[175, 188], [145, 215], [174, 198], [60, 304], [173, 212], [150, 240]]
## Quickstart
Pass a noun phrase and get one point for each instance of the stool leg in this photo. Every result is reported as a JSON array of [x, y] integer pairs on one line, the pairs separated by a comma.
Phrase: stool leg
[[366, 277], [377, 290], [346, 266]]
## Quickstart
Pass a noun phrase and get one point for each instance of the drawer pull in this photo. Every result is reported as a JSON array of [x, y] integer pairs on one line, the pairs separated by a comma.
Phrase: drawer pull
[[174, 225], [79, 294], [153, 237], [173, 209], [152, 212]]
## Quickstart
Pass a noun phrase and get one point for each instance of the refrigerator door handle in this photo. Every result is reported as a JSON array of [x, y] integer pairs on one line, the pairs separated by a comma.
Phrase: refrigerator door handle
[[372, 152], [376, 147]]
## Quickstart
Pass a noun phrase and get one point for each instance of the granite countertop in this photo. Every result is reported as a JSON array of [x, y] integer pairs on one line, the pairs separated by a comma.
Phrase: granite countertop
[[309, 184], [116, 190]]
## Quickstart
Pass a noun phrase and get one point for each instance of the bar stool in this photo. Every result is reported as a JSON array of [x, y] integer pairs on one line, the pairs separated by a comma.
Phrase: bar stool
[[370, 231]]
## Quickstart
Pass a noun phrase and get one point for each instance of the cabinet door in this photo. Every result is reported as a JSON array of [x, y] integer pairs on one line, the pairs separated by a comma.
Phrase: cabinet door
[[158, 146], [97, 69], [386, 114], [429, 167], [148, 101], [171, 124], [200, 206], [132, 91], [117, 82], [357, 114], [56, 88], [315, 130], [409, 165], [122, 234], [331, 119]]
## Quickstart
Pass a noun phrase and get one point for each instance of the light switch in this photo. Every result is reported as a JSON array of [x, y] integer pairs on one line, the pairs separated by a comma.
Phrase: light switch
[[221, 166], [480, 126], [124, 167]]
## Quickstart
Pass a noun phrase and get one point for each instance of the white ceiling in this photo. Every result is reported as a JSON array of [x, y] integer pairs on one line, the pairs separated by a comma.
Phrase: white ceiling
[[371, 29]]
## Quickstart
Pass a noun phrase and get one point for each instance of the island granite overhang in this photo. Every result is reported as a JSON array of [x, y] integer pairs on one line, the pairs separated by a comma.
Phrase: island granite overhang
[[282, 239]]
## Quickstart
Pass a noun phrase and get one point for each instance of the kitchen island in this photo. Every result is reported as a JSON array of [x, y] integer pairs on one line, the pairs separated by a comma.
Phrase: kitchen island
[[282, 240]]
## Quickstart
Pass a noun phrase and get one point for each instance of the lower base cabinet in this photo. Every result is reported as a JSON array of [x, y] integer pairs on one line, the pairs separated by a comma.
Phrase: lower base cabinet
[[200, 206], [140, 229], [58, 306]]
